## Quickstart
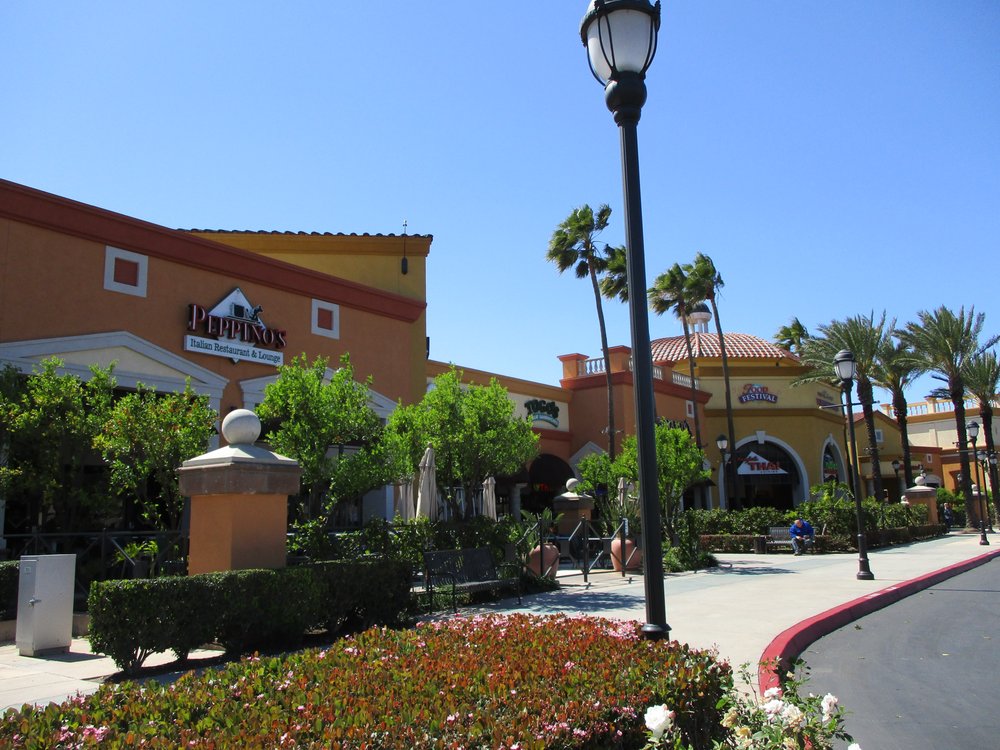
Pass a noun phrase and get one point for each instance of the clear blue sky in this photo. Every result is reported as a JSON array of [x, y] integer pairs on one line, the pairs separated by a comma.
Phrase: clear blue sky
[[832, 158]]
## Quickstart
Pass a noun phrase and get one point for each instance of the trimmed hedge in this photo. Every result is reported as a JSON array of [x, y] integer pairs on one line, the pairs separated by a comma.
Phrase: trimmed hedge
[[244, 610], [10, 573]]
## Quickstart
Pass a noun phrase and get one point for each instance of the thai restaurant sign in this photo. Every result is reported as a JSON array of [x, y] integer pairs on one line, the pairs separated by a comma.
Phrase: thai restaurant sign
[[234, 329], [754, 465]]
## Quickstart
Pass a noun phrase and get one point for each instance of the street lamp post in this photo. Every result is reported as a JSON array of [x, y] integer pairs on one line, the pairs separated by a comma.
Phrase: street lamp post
[[620, 37], [846, 369], [972, 429], [722, 443]]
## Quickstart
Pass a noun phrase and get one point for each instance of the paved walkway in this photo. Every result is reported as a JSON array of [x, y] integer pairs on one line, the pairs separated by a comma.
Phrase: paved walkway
[[751, 606]]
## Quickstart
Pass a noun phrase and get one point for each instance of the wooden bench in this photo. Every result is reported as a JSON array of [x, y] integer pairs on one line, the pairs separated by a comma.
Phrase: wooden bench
[[779, 536], [464, 570]]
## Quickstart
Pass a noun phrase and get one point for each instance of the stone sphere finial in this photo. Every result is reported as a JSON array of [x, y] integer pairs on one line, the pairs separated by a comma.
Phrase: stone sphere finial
[[241, 427], [571, 484]]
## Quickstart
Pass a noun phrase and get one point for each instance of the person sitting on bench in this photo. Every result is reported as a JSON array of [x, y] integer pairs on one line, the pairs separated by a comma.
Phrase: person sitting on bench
[[802, 535]]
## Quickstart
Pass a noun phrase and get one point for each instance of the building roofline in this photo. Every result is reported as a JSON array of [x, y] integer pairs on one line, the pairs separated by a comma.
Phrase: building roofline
[[53, 212]]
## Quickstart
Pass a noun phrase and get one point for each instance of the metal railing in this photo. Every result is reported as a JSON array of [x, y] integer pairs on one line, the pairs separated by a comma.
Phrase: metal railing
[[104, 555]]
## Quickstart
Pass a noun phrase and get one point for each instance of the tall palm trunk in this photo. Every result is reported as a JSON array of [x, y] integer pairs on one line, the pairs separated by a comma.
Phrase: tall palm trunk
[[900, 412], [694, 388], [607, 363], [956, 389], [865, 397], [986, 413], [731, 431]]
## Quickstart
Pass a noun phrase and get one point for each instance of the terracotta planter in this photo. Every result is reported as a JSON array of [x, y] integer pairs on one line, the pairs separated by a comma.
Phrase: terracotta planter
[[542, 559], [632, 556]]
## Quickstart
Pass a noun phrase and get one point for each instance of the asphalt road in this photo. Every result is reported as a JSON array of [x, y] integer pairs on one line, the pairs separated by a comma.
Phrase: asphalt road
[[921, 673]]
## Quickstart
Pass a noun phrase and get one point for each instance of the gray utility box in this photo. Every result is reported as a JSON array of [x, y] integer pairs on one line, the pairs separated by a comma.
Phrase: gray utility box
[[45, 604]]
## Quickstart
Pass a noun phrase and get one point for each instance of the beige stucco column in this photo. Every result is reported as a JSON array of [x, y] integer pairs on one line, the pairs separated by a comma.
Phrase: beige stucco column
[[920, 495], [239, 501], [574, 508]]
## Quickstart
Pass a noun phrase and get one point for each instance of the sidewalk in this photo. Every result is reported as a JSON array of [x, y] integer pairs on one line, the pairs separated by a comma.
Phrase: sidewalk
[[740, 608]]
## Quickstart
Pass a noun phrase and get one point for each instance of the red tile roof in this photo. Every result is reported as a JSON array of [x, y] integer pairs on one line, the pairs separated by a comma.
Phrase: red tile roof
[[706, 345]]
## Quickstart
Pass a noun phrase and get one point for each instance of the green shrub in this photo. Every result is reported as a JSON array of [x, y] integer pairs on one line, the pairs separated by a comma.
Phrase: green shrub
[[494, 681], [10, 573], [242, 610]]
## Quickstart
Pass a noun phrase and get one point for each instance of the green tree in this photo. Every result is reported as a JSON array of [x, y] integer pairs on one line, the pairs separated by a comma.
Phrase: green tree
[[865, 338], [704, 281], [945, 342], [574, 245], [679, 464], [328, 426], [792, 336], [670, 292], [896, 367], [144, 440], [982, 381], [50, 420], [473, 431]]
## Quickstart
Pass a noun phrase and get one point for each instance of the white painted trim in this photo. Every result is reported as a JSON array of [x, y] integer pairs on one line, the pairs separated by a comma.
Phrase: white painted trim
[[330, 333], [113, 253], [26, 355], [588, 448]]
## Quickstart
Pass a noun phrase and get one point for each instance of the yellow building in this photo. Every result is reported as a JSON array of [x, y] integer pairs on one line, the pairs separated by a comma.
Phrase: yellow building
[[786, 438]]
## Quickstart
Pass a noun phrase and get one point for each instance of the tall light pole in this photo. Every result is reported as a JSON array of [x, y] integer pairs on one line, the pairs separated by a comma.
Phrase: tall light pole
[[847, 369], [620, 37], [972, 430]]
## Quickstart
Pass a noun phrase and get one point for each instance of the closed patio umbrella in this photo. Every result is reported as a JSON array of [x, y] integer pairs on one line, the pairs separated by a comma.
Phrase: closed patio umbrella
[[404, 499], [427, 502], [490, 498]]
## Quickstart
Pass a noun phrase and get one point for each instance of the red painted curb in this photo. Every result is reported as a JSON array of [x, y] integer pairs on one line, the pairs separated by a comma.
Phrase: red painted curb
[[793, 641]]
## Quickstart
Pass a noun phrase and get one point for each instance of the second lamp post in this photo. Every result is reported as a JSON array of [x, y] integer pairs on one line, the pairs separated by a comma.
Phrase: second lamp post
[[847, 369]]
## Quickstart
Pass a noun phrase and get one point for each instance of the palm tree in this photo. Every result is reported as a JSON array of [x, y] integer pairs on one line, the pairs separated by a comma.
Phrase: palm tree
[[982, 381], [574, 245], [703, 282], [945, 342], [670, 292], [791, 337], [896, 367], [864, 337]]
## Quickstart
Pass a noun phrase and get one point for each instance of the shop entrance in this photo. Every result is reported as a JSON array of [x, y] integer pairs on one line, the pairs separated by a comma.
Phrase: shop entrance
[[766, 475]]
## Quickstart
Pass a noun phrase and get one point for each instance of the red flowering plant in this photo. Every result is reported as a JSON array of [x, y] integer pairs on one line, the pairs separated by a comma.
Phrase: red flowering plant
[[499, 681]]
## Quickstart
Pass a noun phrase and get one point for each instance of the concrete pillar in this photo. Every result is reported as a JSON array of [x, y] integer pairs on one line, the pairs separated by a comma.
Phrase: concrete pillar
[[239, 501], [574, 507], [927, 496]]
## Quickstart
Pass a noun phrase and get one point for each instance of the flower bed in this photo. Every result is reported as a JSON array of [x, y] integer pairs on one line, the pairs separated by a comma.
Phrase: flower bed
[[513, 681]]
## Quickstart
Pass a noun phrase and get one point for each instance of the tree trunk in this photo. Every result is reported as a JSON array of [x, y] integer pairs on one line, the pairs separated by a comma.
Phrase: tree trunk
[[899, 409], [733, 502], [694, 388], [607, 364], [986, 412], [956, 389], [865, 397]]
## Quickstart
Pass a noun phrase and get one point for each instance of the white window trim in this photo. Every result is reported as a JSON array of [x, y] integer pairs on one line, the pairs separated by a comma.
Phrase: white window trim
[[111, 254], [330, 333]]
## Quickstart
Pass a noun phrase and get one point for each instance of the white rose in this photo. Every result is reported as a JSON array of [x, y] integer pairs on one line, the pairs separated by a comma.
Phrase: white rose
[[659, 720], [854, 746], [829, 703]]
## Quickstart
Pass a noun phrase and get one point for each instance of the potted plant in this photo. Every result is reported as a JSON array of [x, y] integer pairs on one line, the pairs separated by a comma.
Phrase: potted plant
[[543, 558]]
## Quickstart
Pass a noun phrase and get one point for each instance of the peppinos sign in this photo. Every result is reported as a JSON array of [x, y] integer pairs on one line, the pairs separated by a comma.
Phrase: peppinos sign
[[234, 329], [754, 392], [542, 411]]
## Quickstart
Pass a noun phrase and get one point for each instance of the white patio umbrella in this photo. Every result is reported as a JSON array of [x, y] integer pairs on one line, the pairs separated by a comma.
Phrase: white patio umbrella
[[404, 499], [490, 498], [427, 503]]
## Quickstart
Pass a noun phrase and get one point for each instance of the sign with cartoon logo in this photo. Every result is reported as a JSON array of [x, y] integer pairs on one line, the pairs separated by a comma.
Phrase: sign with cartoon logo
[[233, 328]]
